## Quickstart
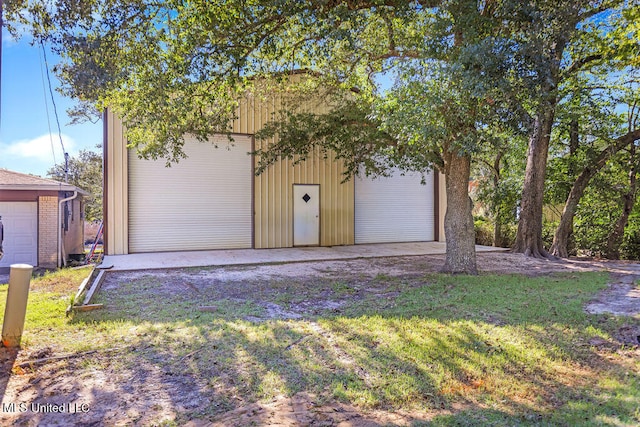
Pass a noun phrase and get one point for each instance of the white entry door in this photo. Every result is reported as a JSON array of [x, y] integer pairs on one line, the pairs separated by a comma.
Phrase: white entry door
[[306, 215]]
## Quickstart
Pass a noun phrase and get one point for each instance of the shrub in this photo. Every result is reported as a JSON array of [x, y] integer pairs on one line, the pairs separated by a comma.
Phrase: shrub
[[484, 231]]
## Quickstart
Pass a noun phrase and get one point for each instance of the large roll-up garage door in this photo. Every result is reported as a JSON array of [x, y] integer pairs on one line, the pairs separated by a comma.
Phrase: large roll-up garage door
[[202, 202], [394, 209], [20, 221]]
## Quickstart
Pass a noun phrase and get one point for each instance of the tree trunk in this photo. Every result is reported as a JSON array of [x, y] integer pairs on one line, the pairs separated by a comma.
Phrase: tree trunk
[[458, 220], [614, 240], [560, 245], [498, 239], [561, 236], [574, 143], [529, 237]]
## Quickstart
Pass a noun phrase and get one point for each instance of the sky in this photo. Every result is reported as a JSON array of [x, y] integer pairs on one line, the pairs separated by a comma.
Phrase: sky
[[26, 143]]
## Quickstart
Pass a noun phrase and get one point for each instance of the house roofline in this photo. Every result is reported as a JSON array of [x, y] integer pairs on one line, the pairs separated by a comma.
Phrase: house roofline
[[36, 187]]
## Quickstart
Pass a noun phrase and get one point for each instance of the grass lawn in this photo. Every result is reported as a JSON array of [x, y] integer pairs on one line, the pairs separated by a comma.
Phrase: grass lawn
[[486, 350]]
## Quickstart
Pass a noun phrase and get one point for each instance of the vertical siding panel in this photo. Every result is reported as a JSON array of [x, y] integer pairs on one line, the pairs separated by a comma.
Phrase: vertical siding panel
[[116, 243], [125, 190], [325, 203], [277, 182], [335, 192], [332, 190], [258, 191], [257, 204], [329, 179], [264, 212], [270, 203], [238, 124], [335, 236], [117, 186], [272, 190], [261, 214], [275, 213], [285, 186], [121, 158], [335, 195], [110, 249], [339, 197], [288, 199], [247, 118], [352, 206], [109, 226], [272, 183], [250, 116], [324, 168], [343, 201], [119, 196]]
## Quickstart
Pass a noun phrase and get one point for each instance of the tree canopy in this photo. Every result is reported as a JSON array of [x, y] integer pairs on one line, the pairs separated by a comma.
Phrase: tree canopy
[[419, 85], [85, 172]]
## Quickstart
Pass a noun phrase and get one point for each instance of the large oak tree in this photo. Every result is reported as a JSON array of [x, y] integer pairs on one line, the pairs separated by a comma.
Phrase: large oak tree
[[461, 70], [559, 40], [175, 68]]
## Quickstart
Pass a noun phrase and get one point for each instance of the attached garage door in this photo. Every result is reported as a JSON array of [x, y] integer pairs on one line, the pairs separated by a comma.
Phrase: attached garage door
[[394, 209], [202, 202], [20, 245]]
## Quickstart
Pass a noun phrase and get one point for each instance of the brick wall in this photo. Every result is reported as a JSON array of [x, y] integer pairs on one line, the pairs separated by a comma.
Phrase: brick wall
[[48, 231]]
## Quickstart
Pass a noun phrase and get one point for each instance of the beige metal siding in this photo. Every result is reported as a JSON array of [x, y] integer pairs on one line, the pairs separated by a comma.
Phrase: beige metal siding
[[116, 187], [442, 206], [273, 189], [274, 202]]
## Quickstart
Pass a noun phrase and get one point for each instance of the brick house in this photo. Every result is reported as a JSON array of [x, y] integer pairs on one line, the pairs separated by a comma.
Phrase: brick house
[[42, 220]]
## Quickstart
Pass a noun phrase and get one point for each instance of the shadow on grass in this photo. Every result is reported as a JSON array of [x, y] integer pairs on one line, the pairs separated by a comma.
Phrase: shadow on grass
[[7, 359], [446, 351]]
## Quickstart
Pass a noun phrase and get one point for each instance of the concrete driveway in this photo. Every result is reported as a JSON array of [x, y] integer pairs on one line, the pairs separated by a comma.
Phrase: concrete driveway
[[159, 260]]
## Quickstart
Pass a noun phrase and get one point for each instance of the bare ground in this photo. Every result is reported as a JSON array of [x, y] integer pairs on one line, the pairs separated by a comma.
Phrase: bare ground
[[117, 394]]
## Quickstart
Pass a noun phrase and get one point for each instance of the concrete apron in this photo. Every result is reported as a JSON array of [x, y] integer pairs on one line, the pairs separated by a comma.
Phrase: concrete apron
[[160, 260]]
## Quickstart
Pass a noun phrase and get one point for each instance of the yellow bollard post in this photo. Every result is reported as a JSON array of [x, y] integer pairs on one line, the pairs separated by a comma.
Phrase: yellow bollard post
[[16, 308]]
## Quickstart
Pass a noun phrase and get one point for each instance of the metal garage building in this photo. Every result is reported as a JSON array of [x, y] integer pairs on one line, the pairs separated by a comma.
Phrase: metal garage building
[[212, 200]]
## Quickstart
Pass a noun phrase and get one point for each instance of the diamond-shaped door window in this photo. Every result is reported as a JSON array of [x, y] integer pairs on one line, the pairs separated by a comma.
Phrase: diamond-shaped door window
[[306, 198]]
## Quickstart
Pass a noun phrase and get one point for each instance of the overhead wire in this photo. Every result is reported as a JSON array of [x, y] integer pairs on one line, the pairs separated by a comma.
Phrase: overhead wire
[[46, 108], [55, 111]]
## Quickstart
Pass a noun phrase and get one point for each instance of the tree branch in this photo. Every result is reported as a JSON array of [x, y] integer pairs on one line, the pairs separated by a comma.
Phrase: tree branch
[[581, 62], [602, 8]]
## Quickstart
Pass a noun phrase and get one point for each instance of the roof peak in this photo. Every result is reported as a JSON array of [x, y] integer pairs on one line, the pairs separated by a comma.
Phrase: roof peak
[[12, 180]]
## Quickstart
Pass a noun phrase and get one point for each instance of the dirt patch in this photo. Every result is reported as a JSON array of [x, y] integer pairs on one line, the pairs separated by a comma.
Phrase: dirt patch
[[622, 298], [103, 389], [304, 409], [67, 393]]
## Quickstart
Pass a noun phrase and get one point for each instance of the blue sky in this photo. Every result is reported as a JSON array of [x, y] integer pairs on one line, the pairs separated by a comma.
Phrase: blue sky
[[25, 142]]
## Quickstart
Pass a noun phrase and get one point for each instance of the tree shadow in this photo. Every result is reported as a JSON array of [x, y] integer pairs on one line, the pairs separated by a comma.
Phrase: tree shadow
[[440, 366], [7, 359]]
